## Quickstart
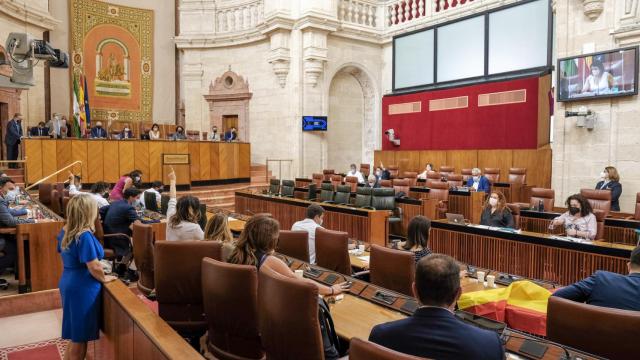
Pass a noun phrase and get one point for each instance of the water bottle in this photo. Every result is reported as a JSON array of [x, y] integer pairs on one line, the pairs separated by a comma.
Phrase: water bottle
[[17, 198], [540, 205]]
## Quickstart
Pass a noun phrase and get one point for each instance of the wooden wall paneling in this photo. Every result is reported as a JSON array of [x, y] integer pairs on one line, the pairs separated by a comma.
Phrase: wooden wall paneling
[[408, 161], [462, 159], [141, 158], [182, 147], [388, 158], [435, 157], [194, 158], [126, 156], [63, 158], [95, 162], [155, 161], [33, 152], [45, 262], [244, 161], [496, 159], [544, 112], [169, 147], [233, 164], [79, 153], [538, 164], [50, 153], [226, 156], [206, 149], [214, 158], [111, 162]]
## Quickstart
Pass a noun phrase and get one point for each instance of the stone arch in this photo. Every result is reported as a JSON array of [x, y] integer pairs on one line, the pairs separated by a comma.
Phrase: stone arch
[[371, 109]]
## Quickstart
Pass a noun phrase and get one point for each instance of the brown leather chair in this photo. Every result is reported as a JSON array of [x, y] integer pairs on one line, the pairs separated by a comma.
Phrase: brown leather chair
[[394, 172], [109, 254], [440, 191], [143, 243], [573, 324], [179, 283], [410, 175], [365, 169], [518, 175], [600, 215], [294, 244], [317, 179], [466, 174], [56, 202], [385, 183], [327, 174], [434, 175], [44, 194], [599, 199], [332, 250], [352, 181], [547, 196], [230, 302], [401, 185], [515, 212], [447, 170], [637, 214], [366, 350], [335, 180], [392, 269], [288, 317], [454, 180], [492, 174]]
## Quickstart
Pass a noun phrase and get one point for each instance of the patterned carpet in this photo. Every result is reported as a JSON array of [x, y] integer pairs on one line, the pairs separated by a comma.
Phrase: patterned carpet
[[43, 350]]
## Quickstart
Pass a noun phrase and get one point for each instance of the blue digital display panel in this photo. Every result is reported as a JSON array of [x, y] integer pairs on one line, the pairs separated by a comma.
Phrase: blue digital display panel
[[314, 123]]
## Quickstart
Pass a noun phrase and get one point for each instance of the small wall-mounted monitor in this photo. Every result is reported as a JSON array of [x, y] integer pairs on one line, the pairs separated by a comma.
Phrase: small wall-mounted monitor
[[598, 75], [314, 123]]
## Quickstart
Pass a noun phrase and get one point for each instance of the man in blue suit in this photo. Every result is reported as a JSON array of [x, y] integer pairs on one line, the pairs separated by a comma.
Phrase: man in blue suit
[[433, 331], [478, 181], [231, 135], [13, 138], [608, 289], [98, 132]]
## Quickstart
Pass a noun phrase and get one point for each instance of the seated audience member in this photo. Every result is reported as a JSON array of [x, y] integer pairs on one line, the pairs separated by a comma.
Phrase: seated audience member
[[214, 136], [126, 132], [434, 331], [353, 171], [579, 221], [610, 180], [156, 189], [256, 246], [496, 212], [418, 237], [179, 134], [154, 133], [75, 184], [8, 219], [125, 182], [423, 175], [478, 182], [372, 182], [98, 132], [182, 215], [231, 135], [118, 218], [100, 192], [217, 229], [313, 220], [382, 173], [39, 130], [607, 289]]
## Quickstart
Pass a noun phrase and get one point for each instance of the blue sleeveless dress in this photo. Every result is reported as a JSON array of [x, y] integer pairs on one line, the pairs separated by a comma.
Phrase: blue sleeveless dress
[[79, 290]]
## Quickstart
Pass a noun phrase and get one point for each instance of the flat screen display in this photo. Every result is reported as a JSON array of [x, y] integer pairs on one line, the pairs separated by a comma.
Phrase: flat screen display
[[314, 123], [413, 56], [604, 74]]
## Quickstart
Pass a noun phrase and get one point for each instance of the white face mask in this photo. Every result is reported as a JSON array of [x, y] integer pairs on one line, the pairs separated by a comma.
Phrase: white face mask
[[476, 178], [493, 201], [126, 129]]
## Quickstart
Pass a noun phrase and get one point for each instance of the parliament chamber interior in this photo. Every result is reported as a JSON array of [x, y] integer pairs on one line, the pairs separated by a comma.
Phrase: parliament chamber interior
[[315, 179]]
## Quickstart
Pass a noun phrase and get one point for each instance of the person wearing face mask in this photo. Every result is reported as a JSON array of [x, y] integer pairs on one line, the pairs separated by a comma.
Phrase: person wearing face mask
[[154, 133], [579, 221], [313, 220], [478, 182], [74, 184], [98, 132], [382, 173], [372, 182], [126, 132], [353, 171], [496, 213], [423, 175], [126, 181], [13, 138], [214, 136], [610, 180], [179, 134]]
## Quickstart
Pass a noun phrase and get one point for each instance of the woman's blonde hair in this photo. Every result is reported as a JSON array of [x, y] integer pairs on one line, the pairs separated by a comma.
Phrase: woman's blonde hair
[[613, 173], [260, 234], [82, 211], [218, 229]]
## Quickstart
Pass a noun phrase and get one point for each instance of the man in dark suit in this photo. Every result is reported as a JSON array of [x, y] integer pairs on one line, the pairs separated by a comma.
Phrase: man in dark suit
[[98, 132], [39, 130], [434, 331], [231, 135], [12, 139], [608, 289]]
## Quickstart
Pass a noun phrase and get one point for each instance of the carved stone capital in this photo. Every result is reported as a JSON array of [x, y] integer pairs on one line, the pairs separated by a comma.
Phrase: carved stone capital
[[313, 69], [592, 8], [279, 55]]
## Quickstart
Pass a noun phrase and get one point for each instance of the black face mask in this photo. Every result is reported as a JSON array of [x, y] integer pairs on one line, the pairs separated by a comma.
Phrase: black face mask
[[574, 210]]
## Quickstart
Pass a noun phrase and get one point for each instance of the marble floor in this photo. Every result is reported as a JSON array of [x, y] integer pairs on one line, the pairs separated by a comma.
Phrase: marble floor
[[30, 328]]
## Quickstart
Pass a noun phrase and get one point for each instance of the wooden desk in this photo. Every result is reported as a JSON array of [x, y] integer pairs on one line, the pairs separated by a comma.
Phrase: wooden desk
[[414, 207], [107, 160], [531, 255], [467, 203], [370, 226]]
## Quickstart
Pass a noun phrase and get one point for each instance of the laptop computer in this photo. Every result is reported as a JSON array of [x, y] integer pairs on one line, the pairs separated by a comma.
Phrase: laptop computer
[[455, 219]]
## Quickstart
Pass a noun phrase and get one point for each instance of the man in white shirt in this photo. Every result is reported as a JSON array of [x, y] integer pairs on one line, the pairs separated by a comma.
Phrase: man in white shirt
[[315, 216], [356, 173], [156, 187], [98, 191]]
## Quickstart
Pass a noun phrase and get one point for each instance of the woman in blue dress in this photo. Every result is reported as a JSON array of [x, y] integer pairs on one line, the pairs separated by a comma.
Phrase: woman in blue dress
[[82, 276]]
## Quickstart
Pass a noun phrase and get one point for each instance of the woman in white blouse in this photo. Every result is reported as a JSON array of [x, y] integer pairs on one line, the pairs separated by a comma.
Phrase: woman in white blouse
[[182, 215], [599, 81], [154, 133], [579, 221]]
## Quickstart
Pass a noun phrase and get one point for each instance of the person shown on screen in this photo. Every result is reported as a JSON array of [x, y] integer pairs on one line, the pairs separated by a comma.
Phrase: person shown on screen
[[599, 81]]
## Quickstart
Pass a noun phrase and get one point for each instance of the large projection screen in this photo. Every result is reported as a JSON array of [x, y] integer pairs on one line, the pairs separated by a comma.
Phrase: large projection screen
[[518, 37], [461, 50], [413, 60]]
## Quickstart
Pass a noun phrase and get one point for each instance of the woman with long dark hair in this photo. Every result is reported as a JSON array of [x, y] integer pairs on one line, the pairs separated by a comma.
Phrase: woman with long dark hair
[[579, 221], [183, 215], [418, 237], [126, 181]]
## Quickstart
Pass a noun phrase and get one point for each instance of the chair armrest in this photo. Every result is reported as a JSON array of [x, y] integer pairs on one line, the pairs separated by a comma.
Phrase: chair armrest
[[362, 275]]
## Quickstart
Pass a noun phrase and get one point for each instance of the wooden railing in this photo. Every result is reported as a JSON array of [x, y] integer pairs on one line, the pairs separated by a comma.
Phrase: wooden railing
[[53, 174]]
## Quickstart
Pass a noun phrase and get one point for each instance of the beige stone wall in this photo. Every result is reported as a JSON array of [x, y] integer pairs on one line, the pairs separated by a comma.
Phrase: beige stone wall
[[579, 155], [346, 112]]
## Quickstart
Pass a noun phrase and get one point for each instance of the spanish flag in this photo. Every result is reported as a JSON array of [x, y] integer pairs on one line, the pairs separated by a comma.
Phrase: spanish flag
[[522, 306]]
